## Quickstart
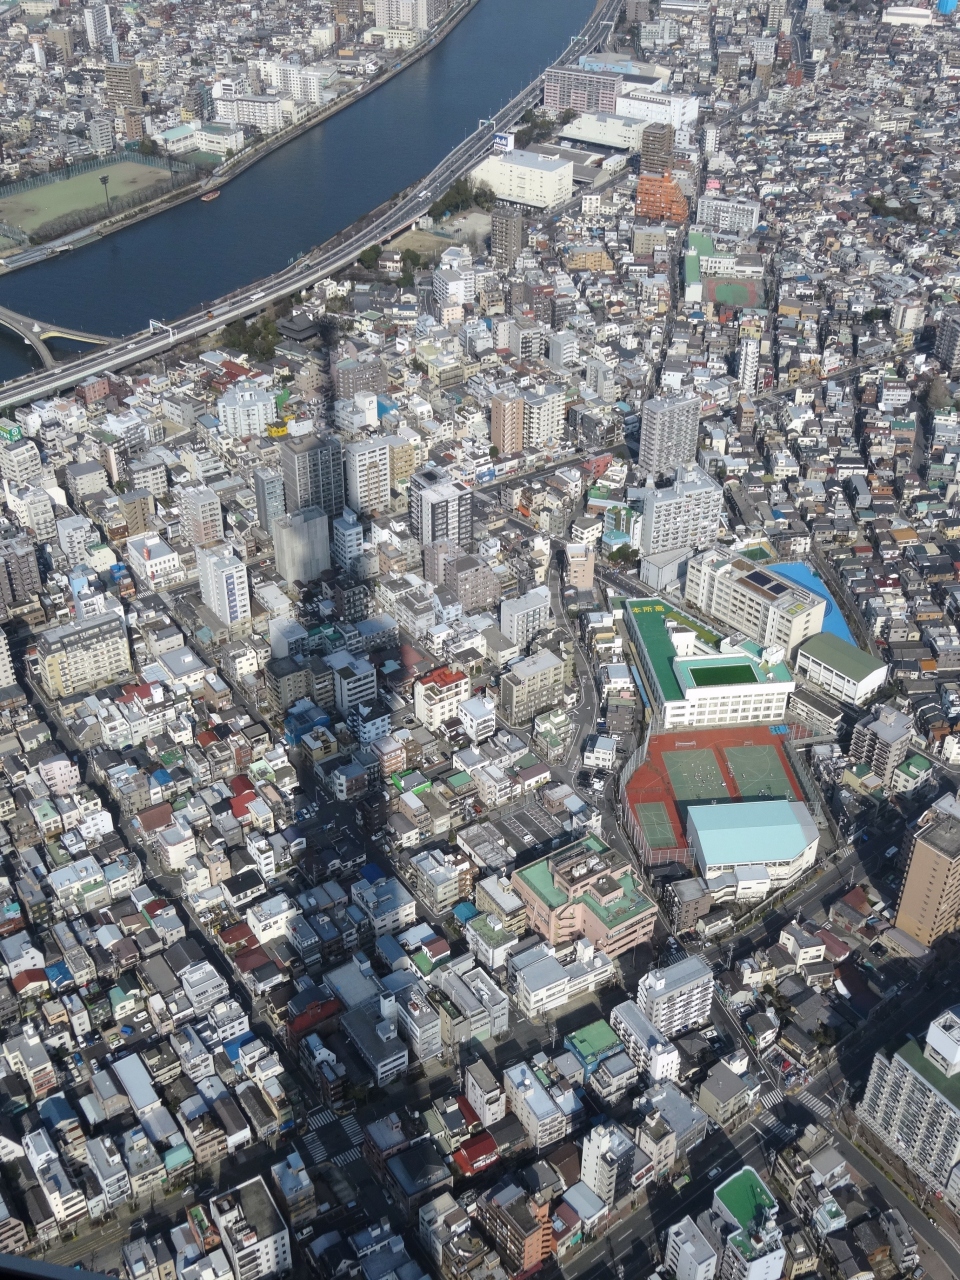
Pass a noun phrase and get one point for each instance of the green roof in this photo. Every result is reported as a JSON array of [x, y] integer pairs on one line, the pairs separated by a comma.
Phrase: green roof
[[841, 656], [593, 1041], [947, 1087], [745, 1197], [540, 879]]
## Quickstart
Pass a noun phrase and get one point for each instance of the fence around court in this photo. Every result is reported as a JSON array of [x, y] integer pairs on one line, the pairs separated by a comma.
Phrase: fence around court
[[174, 167]]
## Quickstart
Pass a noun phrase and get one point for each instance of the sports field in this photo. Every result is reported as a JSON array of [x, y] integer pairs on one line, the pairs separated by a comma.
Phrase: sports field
[[757, 771], [700, 766], [31, 209], [695, 775]]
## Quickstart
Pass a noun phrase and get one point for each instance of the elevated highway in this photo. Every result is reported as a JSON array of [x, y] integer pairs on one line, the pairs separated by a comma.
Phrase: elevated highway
[[321, 262]]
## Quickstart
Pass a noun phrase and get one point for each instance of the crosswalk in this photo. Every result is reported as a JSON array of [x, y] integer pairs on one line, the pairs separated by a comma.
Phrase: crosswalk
[[317, 1119], [315, 1148], [348, 1157], [771, 1098], [782, 1132], [354, 1132], [815, 1104]]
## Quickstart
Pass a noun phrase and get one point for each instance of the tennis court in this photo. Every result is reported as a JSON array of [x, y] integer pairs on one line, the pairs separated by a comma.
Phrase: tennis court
[[656, 825], [695, 775], [757, 771]]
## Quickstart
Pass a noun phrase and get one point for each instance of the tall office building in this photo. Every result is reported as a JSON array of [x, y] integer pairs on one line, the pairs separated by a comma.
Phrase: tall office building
[[367, 465], [506, 234], [685, 514], [521, 619], [224, 587], [669, 427], [748, 365], [202, 515], [440, 508], [929, 905], [301, 543], [312, 469], [912, 1105], [96, 20], [122, 83], [268, 488], [506, 420]]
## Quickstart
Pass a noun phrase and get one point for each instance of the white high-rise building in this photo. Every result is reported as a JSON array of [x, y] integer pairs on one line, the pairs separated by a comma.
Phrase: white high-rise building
[[769, 609], [669, 427], [542, 416], [687, 1254], [301, 544], [202, 515], [440, 508], [728, 215], [99, 27], [677, 997], [7, 677], [685, 514], [368, 475], [347, 538], [252, 1232], [608, 1162], [748, 365], [224, 587], [521, 619], [244, 411]]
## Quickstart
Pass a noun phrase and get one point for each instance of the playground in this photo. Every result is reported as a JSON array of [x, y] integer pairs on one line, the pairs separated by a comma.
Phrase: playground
[[705, 766], [33, 208]]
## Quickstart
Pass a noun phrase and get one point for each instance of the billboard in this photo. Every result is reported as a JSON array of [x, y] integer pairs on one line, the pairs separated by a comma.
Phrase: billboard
[[503, 142], [9, 431]]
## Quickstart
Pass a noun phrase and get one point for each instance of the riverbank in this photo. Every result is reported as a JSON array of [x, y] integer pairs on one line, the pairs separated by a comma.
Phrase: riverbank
[[241, 163]]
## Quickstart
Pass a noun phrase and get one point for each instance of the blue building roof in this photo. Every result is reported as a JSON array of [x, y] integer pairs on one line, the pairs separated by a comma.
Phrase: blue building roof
[[465, 911], [751, 833]]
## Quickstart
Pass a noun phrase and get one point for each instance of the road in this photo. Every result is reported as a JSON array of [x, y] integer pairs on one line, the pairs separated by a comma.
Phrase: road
[[319, 263]]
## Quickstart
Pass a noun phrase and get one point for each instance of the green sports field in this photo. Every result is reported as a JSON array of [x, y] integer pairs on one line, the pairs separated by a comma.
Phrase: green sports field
[[31, 209], [758, 772]]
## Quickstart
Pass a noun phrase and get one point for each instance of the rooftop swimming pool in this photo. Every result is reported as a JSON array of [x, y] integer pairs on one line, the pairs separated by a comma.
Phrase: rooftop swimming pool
[[833, 621]]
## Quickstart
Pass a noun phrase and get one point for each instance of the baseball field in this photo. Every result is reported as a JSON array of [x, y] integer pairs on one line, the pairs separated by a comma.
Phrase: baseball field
[[31, 209]]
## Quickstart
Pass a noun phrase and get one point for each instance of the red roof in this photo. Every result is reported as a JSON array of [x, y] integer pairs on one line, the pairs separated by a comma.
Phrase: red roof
[[835, 947], [155, 907], [237, 934], [241, 785], [30, 978], [467, 1111], [476, 1154], [156, 817], [442, 677], [207, 738], [240, 804], [250, 958]]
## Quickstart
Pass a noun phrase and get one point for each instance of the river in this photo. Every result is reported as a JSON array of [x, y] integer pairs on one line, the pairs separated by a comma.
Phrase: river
[[301, 194]]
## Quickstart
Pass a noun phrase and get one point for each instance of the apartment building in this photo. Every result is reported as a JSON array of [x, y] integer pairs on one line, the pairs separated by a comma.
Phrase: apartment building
[[882, 740], [109, 1170], [543, 1121], [484, 1093], [302, 545], [611, 1164], [929, 903], [728, 215], [741, 1228], [517, 1224], [224, 585], [542, 983], [312, 468], [678, 997], [586, 890], [531, 685], [83, 655], [768, 608], [669, 426], [437, 697], [686, 514], [522, 618], [646, 1045], [687, 1254], [201, 515], [268, 490], [252, 1232], [367, 464], [526, 178], [506, 416], [573, 88]]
